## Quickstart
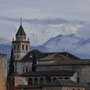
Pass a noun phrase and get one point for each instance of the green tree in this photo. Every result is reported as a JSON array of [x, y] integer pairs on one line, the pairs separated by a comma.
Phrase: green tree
[[11, 64], [34, 62]]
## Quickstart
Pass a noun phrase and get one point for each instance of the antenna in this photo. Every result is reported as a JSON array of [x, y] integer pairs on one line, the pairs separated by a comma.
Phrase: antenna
[[20, 21]]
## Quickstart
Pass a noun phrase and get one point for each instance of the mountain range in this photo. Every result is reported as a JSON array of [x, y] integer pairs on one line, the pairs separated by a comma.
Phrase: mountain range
[[71, 43]]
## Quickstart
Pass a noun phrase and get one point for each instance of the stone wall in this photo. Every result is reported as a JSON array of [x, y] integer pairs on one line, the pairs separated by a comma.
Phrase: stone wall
[[18, 81], [84, 74], [3, 71]]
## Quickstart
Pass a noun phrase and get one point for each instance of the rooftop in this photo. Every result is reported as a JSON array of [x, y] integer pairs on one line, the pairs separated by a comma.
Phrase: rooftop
[[20, 31], [48, 73], [48, 56], [67, 83]]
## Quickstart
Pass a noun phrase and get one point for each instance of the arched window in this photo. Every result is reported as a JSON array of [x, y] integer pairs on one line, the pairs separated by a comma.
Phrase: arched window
[[48, 79], [17, 56], [17, 47], [14, 47], [26, 47], [30, 81], [22, 47], [60, 78], [41, 81], [26, 69], [15, 69], [35, 81], [78, 80], [54, 79], [23, 70], [66, 78], [73, 89]]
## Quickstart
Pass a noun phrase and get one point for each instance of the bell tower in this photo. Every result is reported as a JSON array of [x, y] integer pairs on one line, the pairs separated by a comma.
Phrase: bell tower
[[20, 44]]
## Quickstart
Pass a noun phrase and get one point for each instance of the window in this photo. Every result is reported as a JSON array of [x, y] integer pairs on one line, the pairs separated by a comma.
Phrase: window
[[17, 56], [14, 47], [15, 64], [78, 89], [35, 81], [23, 70], [73, 89], [22, 47], [41, 81], [15, 69], [54, 79], [60, 78], [78, 80], [17, 47], [14, 56], [66, 78], [2, 55], [30, 82], [29, 69], [48, 79], [26, 47], [26, 69]]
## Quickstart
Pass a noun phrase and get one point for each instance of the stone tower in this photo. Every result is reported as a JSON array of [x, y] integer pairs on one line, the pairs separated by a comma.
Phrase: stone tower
[[20, 44], [3, 71]]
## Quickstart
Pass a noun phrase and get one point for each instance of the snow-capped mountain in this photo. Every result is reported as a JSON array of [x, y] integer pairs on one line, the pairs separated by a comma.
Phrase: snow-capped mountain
[[68, 43], [71, 43]]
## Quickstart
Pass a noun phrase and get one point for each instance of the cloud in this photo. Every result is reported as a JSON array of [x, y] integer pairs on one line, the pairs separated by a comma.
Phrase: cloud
[[84, 31], [38, 30], [46, 21], [69, 9]]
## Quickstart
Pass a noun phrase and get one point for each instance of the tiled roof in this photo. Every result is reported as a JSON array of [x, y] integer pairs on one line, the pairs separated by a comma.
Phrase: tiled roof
[[69, 55], [29, 86], [48, 73], [68, 83], [44, 56], [58, 58], [29, 58], [20, 31], [63, 64]]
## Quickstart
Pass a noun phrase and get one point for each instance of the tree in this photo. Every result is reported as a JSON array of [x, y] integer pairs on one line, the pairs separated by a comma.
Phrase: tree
[[34, 62], [11, 64]]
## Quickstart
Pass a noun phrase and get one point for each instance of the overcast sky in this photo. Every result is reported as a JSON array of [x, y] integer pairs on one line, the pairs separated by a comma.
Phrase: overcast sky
[[47, 19], [68, 9]]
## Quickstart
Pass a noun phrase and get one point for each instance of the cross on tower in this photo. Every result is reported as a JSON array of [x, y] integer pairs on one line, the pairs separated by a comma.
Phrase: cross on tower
[[20, 21]]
